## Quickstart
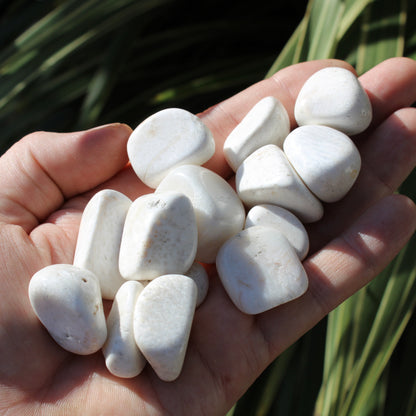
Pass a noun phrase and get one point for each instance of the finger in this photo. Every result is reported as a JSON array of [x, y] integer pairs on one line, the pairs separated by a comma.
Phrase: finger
[[341, 268], [388, 157], [43, 169], [390, 85], [125, 181], [284, 85], [57, 235]]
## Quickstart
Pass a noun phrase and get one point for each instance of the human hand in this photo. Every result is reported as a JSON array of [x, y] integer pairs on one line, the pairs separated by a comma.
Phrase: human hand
[[46, 180]]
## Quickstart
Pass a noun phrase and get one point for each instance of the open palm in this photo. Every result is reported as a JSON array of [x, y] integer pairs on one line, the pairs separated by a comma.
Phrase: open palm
[[47, 178]]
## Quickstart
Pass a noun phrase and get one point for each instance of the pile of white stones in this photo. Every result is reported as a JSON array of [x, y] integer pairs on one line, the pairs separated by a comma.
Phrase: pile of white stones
[[146, 254]]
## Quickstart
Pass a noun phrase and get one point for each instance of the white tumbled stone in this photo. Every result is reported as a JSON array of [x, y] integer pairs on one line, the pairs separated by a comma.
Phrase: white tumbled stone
[[165, 140], [266, 123], [218, 210], [326, 159], [159, 236], [67, 300], [260, 270], [99, 238], [284, 221], [199, 275], [335, 98], [267, 177], [162, 322], [122, 355]]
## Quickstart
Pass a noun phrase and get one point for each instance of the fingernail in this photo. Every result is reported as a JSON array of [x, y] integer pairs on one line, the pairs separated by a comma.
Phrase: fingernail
[[110, 125]]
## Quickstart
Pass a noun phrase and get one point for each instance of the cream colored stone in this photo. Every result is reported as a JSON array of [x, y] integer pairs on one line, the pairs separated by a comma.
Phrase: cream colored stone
[[159, 237], [122, 356], [219, 212], [99, 239], [67, 300], [260, 270], [326, 159], [162, 323], [284, 221], [165, 140], [199, 275], [266, 123], [267, 177], [334, 97]]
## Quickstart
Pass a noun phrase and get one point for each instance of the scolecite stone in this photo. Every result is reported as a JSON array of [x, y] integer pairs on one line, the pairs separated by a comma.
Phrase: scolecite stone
[[267, 177], [326, 159], [67, 300], [162, 323], [334, 97], [122, 356], [266, 123], [165, 140], [219, 212], [260, 270], [99, 239], [284, 221], [159, 236]]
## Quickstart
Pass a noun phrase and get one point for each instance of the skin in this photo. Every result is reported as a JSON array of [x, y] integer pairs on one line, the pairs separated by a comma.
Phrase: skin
[[46, 180]]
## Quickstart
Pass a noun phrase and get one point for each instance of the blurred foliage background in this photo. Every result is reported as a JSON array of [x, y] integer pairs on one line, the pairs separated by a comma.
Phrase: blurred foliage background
[[67, 65]]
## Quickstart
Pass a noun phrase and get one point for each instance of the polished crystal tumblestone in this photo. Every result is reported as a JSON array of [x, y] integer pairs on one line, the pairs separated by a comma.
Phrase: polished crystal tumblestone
[[260, 270], [122, 355], [266, 123], [267, 177], [326, 159], [168, 139], [199, 275], [159, 236], [334, 97], [284, 221], [219, 212], [163, 318], [99, 239], [67, 300]]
